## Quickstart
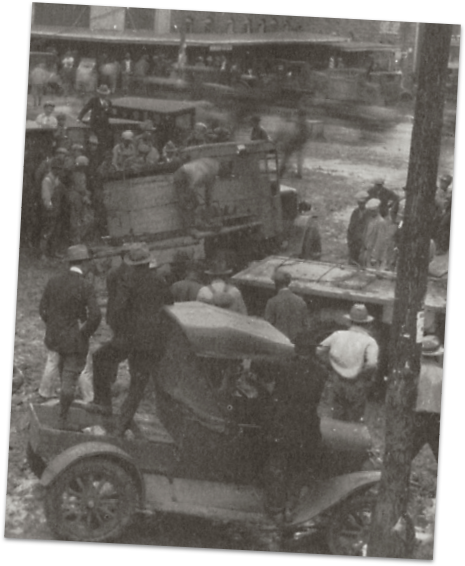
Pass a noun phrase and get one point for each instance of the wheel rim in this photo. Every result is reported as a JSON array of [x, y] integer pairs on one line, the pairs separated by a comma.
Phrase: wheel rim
[[353, 530], [91, 503]]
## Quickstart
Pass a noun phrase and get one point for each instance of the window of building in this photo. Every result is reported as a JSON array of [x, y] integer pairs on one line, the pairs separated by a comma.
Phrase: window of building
[[61, 15], [140, 18]]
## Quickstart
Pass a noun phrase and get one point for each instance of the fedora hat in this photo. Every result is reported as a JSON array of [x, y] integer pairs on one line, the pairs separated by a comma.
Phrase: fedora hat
[[431, 346], [138, 255], [359, 314], [79, 252], [218, 269], [103, 89]]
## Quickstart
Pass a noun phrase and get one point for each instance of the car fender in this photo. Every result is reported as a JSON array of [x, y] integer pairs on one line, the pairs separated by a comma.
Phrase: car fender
[[324, 494], [87, 450]]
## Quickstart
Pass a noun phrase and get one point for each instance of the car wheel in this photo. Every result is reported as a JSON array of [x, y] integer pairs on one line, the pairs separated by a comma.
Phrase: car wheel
[[93, 500], [350, 526]]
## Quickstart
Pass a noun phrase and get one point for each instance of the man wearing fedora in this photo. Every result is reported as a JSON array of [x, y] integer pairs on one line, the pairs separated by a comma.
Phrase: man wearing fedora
[[220, 292], [428, 405], [353, 357], [99, 107], [71, 314], [286, 311], [137, 314]]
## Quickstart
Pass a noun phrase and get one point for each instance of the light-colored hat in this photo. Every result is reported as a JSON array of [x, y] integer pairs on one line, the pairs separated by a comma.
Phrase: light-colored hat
[[138, 255], [431, 346], [93, 139], [373, 204], [127, 135], [359, 314], [362, 196], [61, 151], [200, 126], [77, 147], [170, 147], [81, 161], [79, 252], [378, 181], [103, 89], [49, 103]]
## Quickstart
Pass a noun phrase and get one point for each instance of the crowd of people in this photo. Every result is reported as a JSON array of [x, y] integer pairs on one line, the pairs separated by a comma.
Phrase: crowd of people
[[375, 227], [345, 362]]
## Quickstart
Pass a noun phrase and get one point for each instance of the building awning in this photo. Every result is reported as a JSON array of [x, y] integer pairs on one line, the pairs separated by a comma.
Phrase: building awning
[[148, 37]]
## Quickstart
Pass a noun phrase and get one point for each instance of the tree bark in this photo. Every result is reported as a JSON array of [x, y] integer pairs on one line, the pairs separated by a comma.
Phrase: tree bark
[[389, 537]]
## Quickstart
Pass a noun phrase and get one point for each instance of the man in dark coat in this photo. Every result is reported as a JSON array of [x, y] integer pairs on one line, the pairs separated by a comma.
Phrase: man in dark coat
[[138, 304], [100, 111], [286, 311], [389, 199], [106, 359], [356, 229], [293, 427], [70, 311]]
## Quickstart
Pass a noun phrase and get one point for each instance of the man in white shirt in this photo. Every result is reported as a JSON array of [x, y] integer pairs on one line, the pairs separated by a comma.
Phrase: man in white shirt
[[220, 292], [353, 357], [46, 119]]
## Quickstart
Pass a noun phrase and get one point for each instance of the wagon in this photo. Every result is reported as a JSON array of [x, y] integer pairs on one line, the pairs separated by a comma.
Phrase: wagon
[[200, 451]]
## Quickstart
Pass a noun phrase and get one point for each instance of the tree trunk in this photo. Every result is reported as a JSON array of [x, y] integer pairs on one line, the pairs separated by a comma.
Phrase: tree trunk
[[389, 537]]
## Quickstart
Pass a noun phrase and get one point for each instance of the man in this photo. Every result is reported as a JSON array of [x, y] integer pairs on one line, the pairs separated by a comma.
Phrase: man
[[79, 201], [353, 357], [51, 200], [61, 134], [428, 405], [356, 228], [38, 81], [100, 111], [293, 142], [220, 292], [127, 70], [388, 199], [138, 304], [198, 136], [71, 313], [286, 311], [107, 358], [374, 237], [258, 132], [124, 153], [146, 156], [46, 119], [444, 191], [293, 425], [67, 73], [311, 239], [188, 288]]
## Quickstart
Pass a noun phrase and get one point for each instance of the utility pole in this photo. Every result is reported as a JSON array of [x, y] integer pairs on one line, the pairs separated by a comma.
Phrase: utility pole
[[390, 536]]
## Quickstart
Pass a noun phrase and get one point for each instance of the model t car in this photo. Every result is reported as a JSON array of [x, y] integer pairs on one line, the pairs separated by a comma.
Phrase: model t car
[[200, 452]]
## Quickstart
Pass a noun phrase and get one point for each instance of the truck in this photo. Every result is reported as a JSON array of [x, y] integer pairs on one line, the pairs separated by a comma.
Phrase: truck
[[248, 213]]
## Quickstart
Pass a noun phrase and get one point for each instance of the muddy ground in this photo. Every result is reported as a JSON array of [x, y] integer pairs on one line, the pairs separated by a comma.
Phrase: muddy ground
[[335, 169]]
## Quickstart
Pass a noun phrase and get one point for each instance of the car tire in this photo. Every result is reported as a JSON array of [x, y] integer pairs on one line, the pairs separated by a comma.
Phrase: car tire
[[93, 500]]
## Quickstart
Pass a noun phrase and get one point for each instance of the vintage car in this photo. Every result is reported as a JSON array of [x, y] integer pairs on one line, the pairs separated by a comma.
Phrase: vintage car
[[200, 450]]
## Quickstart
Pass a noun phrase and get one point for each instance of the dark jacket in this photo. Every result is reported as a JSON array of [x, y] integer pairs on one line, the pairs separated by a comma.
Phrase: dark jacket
[[99, 114], [139, 300], [68, 300], [115, 278], [294, 419]]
